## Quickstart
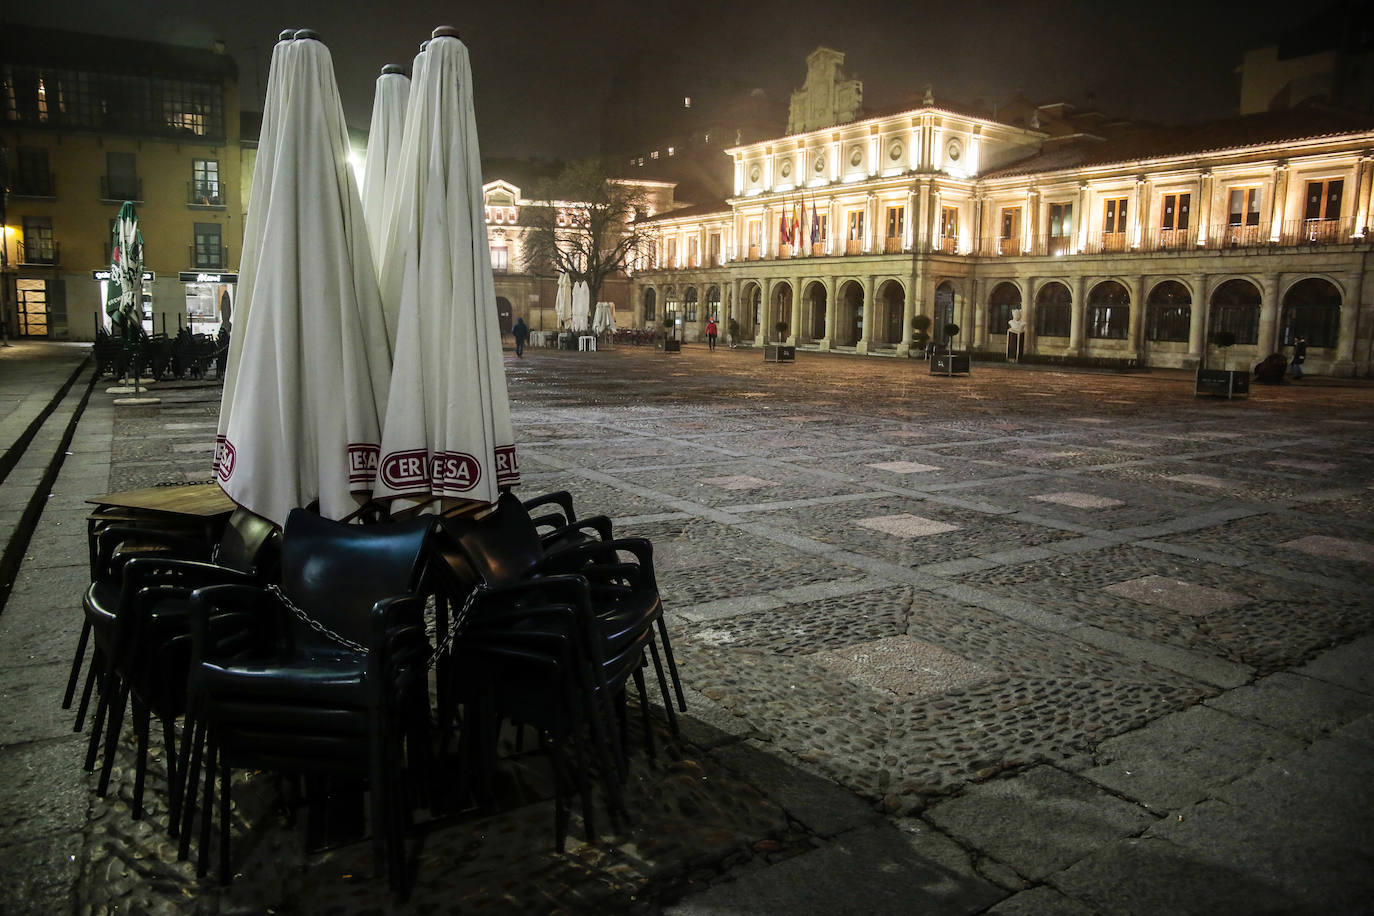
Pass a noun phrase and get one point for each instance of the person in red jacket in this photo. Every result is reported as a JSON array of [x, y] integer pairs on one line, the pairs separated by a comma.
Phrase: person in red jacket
[[711, 331]]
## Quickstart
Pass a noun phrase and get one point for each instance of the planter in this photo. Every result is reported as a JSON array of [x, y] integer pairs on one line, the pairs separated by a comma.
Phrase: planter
[[776, 353], [672, 346], [1225, 383], [949, 363]]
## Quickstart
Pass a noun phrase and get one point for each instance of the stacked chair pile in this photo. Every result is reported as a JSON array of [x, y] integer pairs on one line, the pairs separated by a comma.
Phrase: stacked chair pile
[[311, 652]]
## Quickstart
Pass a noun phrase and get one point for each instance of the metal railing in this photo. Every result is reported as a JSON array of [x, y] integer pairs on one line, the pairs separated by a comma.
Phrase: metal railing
[[1317, 232], [123, 189], [34, 186], [205, 193]]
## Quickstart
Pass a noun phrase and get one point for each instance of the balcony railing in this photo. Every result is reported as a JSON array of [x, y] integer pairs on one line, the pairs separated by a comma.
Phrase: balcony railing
[[43, 252], [892, 244], [204, 194], [1238, 237], [947, 244], [121, 189], [853, 246], [209, 257], [34, 186], [1317, 231], [1170, 240]]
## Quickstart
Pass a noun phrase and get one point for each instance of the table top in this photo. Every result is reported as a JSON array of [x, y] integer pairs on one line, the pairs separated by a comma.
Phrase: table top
[[205, 500]]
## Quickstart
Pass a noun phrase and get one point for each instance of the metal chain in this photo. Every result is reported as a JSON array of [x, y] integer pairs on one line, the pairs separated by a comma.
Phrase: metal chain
[[455, 627], [315, 624]]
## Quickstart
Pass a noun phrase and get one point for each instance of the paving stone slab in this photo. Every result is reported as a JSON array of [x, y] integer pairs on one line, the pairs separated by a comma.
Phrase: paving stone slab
[[1302, 707], [1185, 757], [40, 876], [1350, 665], [1040, 901], [866, 871], [45, 791], [1038, 822]]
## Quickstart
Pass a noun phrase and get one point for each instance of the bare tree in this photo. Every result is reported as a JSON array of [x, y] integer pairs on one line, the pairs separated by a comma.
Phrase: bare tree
[[584, 224]]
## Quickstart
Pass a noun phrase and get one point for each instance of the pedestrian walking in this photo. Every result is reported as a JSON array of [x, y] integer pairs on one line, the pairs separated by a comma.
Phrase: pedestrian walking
[[711, 332], [1299, 357], [521, 332]]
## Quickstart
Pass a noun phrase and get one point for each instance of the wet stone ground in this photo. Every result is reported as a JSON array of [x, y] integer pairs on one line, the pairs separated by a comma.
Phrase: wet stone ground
[[881, 584]]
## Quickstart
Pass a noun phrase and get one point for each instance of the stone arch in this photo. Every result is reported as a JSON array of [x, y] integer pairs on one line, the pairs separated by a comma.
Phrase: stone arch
[[1053, 310], [944, 313], [504, 314], [1168, 311], [889, 307], [849, 314], [672, 306], [1311, 310], [691, 299], [649, 306], [1002, 301], [712, 303], [749, 307], [1235, 307], [1109, 311], [814, 300], [779, 310]]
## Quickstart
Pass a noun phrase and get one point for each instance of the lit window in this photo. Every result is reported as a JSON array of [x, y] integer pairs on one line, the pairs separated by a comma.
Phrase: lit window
[[687, 102], [654, 154], [670, 151]]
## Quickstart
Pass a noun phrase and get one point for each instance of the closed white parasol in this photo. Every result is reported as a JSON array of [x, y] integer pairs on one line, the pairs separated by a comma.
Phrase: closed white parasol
[[384, 149], [302, 414], [448, 430]]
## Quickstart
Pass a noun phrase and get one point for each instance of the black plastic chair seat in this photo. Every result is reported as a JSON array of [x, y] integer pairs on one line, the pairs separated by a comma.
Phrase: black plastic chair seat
[[328, 681]]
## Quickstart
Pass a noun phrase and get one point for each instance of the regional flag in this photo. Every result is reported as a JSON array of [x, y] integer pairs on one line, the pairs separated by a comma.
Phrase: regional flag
[[815, 225]]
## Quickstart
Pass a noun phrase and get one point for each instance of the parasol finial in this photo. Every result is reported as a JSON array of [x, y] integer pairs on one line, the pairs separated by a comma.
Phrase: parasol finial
[[446, 31]]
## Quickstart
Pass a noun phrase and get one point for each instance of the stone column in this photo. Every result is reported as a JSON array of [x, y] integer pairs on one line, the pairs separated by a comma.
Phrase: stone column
[[1269, 316], [1080, 225], [976, 310], [830, 309], [1276, 214], [1367, 203], [908, 313], [796, 310], [867, 336], [1202, 228], [1135, 329], [1139, 224], [1344, 363], [762, 330], [909, 243], [1197, 321], [1076, 315]]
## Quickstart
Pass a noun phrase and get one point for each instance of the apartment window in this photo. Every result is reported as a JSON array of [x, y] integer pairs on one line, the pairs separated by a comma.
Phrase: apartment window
[[1324, 199], [121, 177], [500, 258], [693, 252], [1114, 220], [39, 247], [32, 177], [1061, 227], [672, 253], [1010, 240], [949, 222], [1245, 207], [208, 252], [714, 248], [205, 188], [755, 232], [855, 219], [825, 227], [1174, 214], [896, 221]]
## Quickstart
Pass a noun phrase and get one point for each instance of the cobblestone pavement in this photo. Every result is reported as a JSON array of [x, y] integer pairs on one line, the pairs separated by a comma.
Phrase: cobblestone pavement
[[1025, 641]]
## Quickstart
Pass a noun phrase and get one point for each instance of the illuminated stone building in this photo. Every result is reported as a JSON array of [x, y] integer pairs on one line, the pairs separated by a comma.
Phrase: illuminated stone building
[[87, 122], [1120, 244]]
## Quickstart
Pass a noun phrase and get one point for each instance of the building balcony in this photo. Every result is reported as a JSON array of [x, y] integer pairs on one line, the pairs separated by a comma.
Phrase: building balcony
[[38, 253], [1312, 232], [947, 244], [118, 190], [209, 257], [34, 187], [853, 246], [205, 194], [892, 244]]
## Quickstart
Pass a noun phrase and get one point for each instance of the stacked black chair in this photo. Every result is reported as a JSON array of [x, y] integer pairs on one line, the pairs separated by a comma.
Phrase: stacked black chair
[[138, 612], [324, 676], [502, 564]]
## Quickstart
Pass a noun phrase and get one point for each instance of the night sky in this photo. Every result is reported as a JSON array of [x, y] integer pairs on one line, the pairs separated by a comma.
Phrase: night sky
[[543, 69]]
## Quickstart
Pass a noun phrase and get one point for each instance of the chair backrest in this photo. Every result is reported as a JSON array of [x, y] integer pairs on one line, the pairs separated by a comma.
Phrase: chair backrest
[[502, 546], [250, 543], [336, 572]]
